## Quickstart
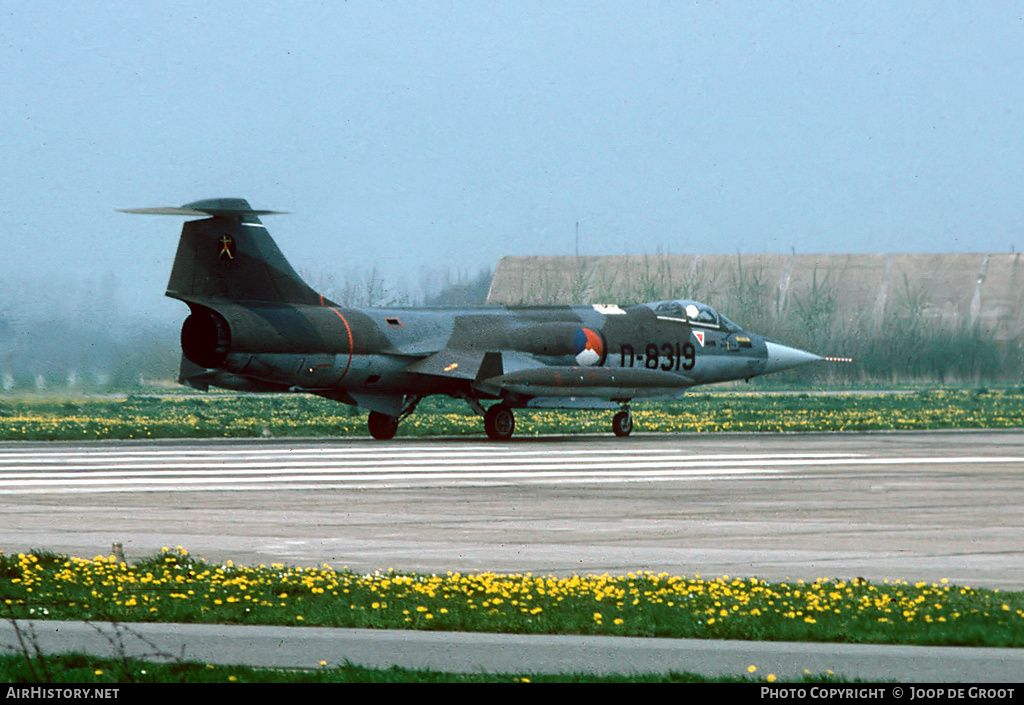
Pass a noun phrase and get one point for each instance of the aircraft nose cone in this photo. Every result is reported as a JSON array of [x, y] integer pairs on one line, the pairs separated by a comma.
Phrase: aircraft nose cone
[[783, 357]]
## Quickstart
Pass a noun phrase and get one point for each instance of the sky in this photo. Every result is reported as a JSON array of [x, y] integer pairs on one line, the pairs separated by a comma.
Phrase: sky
[[409, 137]]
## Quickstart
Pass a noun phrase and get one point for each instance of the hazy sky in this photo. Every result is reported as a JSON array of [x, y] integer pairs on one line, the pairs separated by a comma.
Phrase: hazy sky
[[403, 135]]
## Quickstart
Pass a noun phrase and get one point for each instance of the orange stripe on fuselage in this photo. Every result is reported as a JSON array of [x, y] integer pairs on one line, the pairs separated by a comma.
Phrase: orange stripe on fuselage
[[349, 331]]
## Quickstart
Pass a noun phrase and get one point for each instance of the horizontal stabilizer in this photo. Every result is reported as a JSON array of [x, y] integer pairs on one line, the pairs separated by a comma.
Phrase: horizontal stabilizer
[[210, 207]]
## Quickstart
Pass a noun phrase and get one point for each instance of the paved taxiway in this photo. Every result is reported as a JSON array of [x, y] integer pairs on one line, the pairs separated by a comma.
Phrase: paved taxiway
[[909, 506], [307, 647]]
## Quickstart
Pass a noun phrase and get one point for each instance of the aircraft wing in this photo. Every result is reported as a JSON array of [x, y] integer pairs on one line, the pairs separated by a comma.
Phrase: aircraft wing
[[458, 364]]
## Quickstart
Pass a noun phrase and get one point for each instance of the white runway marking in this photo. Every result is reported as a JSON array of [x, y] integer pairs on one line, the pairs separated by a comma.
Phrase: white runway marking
[[78, 469]]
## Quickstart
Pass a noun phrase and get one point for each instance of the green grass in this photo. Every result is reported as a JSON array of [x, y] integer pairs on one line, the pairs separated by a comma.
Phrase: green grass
[[79, 668], [176, 587], [248, 416]]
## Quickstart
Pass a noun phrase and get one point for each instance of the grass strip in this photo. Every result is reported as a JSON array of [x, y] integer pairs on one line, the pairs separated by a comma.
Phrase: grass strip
[[174, 586], [253, 416], [80, 668]]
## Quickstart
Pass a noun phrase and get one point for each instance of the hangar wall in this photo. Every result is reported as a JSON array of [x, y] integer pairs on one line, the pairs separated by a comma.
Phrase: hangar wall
[[978, 292]]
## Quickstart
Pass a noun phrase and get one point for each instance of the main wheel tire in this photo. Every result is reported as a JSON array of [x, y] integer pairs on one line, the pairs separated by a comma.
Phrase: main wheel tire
[[499, 422], [622, 424], [382, 426]]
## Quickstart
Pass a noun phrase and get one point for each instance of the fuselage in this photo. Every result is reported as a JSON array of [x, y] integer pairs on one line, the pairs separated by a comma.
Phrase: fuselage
[[644, 351]]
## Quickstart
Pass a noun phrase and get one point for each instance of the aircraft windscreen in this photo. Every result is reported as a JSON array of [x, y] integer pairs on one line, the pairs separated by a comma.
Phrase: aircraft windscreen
[[729, 325], [695, 312]]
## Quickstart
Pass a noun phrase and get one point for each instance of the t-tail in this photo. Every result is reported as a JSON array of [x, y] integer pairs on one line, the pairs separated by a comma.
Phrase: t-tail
[[230, 256]]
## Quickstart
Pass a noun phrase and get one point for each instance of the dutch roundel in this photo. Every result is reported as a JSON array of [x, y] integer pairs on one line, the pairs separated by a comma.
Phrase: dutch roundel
[[589, 347]]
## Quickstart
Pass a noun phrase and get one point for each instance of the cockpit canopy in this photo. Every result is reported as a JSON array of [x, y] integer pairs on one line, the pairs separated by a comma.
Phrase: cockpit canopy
[[694, 313]]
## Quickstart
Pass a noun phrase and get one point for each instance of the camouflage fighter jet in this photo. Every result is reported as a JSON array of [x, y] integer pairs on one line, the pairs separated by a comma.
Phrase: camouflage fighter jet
[[255, 325]]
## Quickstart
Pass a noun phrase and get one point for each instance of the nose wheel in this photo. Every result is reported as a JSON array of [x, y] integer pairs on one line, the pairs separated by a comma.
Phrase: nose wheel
[[622, 423]]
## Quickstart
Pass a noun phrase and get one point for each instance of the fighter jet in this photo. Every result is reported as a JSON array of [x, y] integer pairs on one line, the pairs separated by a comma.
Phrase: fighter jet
[[255, 325]]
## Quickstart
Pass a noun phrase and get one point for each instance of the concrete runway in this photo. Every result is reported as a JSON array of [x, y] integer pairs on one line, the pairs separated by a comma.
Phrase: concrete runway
[[896, 506], [910, 506]]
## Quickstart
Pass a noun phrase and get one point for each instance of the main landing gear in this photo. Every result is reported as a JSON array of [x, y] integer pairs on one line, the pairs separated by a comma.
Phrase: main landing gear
[[383, 426], [499, 420]]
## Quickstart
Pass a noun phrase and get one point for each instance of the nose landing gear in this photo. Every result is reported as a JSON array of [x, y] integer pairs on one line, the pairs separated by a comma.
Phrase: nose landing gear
[[622, 423]]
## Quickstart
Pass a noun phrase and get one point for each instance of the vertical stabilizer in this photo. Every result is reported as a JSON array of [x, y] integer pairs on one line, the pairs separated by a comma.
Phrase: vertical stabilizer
[[231, 256]]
